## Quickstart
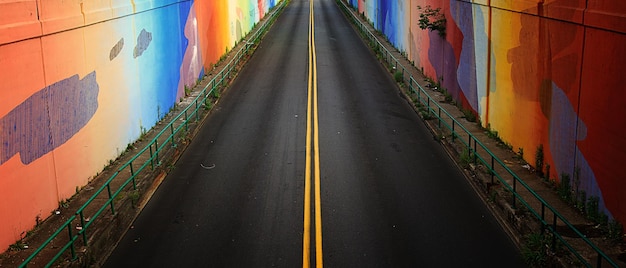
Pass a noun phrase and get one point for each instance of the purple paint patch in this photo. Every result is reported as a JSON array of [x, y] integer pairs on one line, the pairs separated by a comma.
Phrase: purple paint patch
[[565, 130], [143, 41], [441, 56], [48, 118]]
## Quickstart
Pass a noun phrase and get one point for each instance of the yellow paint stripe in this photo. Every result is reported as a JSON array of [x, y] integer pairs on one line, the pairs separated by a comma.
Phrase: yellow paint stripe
[[318, 202], [306, 239], [312, 118]]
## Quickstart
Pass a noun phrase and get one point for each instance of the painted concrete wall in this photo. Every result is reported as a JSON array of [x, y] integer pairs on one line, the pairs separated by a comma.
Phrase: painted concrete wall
[[79, 80], [544, 72]]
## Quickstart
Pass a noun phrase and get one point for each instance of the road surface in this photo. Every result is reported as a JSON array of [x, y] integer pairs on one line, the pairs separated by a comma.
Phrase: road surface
[[313, 157]]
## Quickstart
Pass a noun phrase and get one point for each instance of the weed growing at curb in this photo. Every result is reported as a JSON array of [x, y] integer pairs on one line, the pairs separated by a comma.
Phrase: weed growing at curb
[[535, 250]]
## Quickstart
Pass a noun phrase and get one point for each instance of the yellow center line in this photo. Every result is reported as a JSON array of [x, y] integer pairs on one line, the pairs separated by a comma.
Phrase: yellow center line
[[312, 119]]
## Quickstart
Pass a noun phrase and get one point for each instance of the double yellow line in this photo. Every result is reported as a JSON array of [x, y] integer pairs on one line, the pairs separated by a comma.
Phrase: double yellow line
[[312, 151]]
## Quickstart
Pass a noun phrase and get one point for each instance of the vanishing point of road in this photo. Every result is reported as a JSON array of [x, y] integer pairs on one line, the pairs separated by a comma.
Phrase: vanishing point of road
[[313, 158]]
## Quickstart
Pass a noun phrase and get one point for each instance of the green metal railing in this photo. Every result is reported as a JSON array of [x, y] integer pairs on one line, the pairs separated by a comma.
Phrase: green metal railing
[[157, 145], [497, 168]]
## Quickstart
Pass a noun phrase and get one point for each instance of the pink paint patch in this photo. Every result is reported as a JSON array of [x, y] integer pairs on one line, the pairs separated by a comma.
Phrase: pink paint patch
[[192, 65]]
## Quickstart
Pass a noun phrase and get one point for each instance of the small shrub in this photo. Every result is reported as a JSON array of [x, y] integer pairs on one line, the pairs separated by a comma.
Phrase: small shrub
[[539, 160], [581, 201], [447, 96], [535, 250], [18, 246], [465, 158], [216, 94], [565, 188], [469, 115], [399, 77], [493, 134], [520, 153], [593, 212], [425, 114], [614, 231]]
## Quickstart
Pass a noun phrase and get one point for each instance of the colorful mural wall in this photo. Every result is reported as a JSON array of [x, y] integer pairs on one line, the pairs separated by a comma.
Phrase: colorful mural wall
[[540, 72], [79, 80]]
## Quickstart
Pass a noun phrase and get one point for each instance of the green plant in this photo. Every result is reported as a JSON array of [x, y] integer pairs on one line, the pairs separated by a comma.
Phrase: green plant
[[143, 132], [18, 245], [593, 212], [187, 90], [216, 93], [426, 115], [134, 195], [493, 134], [432, 19], [424, 112], [520, 153], [493, 196], [65, 203], [539, 160], [208, 104], [581, 201], [399, 77], [447, 96], [547, 173], [614, 230], [465, 158], [565, 188], [469, 115], [535, 250]]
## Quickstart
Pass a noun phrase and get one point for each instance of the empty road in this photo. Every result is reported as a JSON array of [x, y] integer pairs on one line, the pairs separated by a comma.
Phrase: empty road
[[316, 160]]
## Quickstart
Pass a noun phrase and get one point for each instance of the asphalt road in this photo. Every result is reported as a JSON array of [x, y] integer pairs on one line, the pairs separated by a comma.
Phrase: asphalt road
[[389, 194]]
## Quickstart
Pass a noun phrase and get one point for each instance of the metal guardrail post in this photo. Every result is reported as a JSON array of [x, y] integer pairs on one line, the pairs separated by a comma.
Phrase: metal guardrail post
[[514, 191], [469, 146], [151, 158], [475, 152], [71, 236], [418, 92], [156, 152], [82, 224], [172, 135], [132, 171], [439, 118], [493, 169], [111, 199], [454, 137], [553, 230], [187, 118]]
